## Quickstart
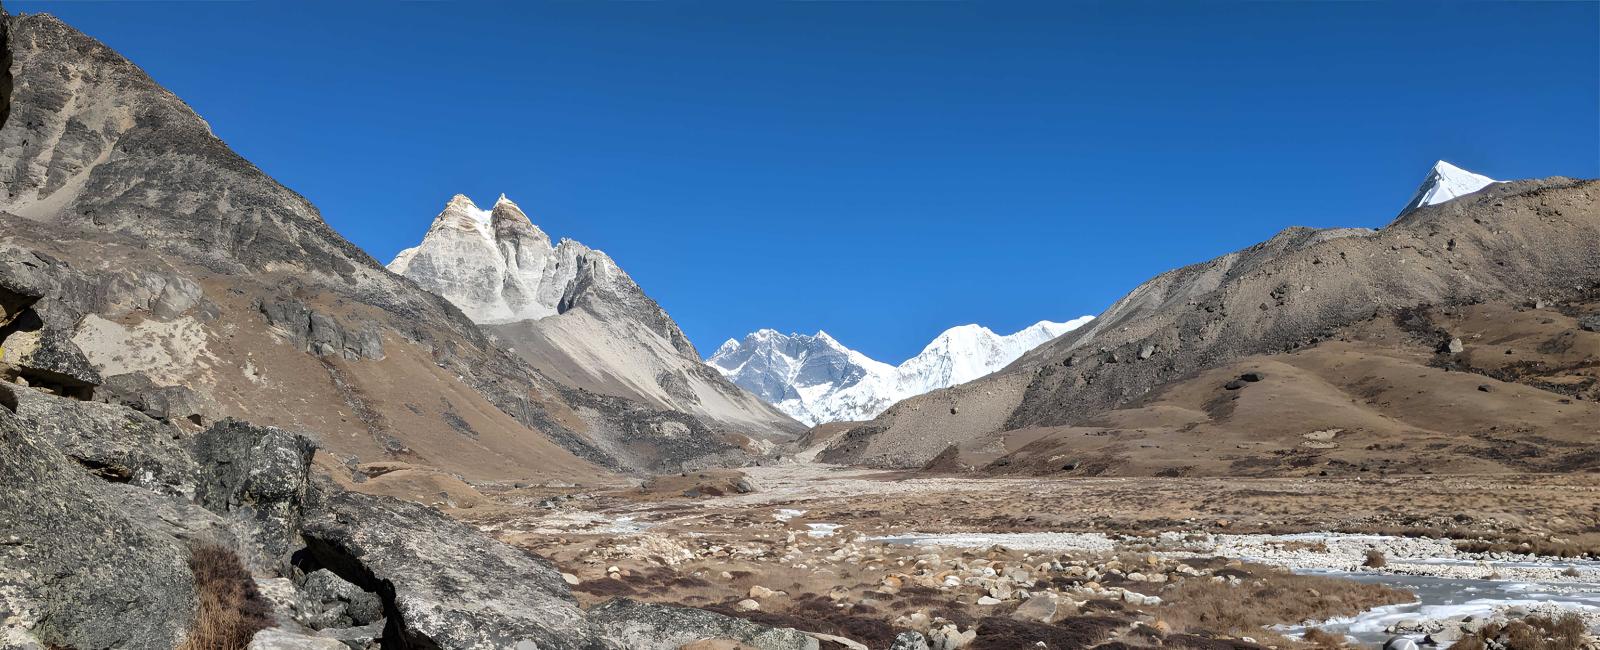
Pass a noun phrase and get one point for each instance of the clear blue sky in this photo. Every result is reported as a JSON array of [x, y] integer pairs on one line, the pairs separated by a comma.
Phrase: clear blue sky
[[886, 170]]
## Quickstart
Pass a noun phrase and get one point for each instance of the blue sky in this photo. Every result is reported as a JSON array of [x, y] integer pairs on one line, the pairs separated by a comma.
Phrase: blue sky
[[879, 170]]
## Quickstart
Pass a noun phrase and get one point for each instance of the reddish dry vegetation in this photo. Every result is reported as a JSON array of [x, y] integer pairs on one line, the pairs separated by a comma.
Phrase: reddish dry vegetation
[[1267, 597], [230, 609], [1322, 639], [1533, 633]]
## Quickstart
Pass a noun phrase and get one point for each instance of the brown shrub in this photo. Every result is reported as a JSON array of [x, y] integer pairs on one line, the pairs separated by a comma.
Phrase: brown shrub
[[1268, 597], [1323, 639], [1565, 632], [230, 610], [996, 633], [1375, 559]]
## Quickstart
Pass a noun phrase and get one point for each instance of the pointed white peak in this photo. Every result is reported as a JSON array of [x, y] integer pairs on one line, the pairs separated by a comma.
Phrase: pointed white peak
[[461, 214], [1445, 182], [507, 217], [504, 203]]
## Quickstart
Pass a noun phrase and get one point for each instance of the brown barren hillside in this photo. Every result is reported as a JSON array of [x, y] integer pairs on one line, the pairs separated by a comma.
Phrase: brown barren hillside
[[1511, 244]]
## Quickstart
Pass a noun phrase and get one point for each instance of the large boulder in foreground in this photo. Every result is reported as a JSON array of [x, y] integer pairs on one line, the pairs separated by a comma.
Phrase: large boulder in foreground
[[259, 474], [110, 441], [443, 583], [76, 572], [632, 624]]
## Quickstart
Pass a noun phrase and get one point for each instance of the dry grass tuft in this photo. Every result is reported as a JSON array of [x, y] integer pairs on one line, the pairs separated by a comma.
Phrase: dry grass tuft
[[1323, 639], [230, 610], [1375, 559], [1268, 597], [1565, 632]]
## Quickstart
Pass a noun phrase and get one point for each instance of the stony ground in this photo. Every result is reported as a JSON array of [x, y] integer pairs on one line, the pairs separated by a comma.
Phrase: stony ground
[[1070, 563]]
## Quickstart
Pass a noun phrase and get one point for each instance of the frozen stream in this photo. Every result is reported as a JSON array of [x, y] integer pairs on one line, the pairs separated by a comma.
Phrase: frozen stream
[[1449, 584], [1454, 598]]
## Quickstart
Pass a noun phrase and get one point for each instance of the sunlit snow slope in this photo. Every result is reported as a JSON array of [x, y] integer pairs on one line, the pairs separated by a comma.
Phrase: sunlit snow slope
[[816, 379]]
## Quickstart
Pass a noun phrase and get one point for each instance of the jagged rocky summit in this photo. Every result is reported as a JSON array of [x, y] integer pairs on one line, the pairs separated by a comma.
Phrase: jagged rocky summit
[[571, 312]]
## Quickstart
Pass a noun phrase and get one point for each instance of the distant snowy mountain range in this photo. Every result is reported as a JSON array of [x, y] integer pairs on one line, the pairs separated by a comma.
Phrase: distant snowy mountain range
[[816, 379]]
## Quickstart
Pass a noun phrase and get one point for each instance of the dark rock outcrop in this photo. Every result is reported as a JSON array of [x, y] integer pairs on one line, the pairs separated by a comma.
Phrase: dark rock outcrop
[[135, 390], [321, 334], [632, 624], [442, 582], [259, 474], [333, 602]]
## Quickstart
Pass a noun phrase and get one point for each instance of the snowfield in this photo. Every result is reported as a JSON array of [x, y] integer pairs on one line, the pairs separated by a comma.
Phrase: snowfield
[[816, 379]]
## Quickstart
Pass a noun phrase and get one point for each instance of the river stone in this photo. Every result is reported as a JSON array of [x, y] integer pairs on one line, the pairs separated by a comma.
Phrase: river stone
[[75, 571], [1037, 608], [442, 582], [1400, 643], [909, 641], [632, 624]]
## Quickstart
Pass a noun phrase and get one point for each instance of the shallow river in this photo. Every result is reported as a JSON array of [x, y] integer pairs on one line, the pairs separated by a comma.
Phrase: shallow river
[[1452, 598], [1443, 594]]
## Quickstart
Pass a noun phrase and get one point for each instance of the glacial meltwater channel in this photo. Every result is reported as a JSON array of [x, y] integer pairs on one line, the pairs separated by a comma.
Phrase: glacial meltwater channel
[[1448, 584]]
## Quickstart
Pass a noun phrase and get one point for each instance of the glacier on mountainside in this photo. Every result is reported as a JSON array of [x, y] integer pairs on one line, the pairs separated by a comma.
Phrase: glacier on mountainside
[[1444, 182], [816, 379]]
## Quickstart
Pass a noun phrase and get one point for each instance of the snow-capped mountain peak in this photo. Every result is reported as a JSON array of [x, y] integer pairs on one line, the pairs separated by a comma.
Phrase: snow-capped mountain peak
[[1444, 182], [497, 266], [816, 379], [573, 313]]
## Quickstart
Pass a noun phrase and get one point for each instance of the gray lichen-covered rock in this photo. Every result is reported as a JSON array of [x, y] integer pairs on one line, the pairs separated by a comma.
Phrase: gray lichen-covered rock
[[632, 624], [164, 296], [135, 390], [442, 582], [365, 637], [332, 602], [75, 570], [281, 639], [48, 358], [258, 473], [113, 442], [909, 641]]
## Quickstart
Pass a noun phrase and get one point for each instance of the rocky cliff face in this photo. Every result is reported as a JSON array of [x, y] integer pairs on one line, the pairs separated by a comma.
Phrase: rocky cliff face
[[1508, 242], [575, 315], [113, 523], [177, 262]]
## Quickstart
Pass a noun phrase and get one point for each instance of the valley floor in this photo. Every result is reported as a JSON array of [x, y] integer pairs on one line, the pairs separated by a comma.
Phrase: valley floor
[[1009, 562]]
